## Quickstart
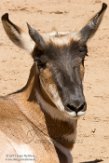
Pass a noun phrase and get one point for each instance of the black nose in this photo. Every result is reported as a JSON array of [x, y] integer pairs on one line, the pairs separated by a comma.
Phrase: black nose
[[76, 109]]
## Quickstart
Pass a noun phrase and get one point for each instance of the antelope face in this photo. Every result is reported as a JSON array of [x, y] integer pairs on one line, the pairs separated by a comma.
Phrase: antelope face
[[61, 70], [61, 66], [60, 61]]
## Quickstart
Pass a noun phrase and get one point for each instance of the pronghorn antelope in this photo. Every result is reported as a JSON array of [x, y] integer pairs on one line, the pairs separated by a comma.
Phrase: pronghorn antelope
[[40, 120]]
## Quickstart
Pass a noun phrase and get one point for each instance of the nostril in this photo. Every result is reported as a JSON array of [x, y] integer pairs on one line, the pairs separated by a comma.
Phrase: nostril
[[71, 107], [81, 107], [75, 109]]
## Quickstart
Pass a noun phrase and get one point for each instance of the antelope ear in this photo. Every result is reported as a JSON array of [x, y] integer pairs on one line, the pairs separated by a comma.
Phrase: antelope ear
[[90, 28], [16, 34], [36, 37]]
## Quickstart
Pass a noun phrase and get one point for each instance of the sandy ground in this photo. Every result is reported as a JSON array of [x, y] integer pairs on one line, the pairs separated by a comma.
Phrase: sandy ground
[[68, 15]]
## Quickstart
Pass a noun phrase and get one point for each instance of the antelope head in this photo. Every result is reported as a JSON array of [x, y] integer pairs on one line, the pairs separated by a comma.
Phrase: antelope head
[[59, 58]]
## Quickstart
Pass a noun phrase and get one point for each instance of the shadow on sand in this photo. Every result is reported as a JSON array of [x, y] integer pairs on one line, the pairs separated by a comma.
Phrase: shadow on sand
[[94, 161]]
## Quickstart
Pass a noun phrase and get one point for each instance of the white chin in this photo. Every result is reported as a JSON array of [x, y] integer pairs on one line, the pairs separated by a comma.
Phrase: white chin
[[80, 113], [73, 114]]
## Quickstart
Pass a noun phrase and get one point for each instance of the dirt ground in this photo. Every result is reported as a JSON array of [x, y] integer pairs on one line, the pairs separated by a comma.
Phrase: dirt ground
[[68, 15]]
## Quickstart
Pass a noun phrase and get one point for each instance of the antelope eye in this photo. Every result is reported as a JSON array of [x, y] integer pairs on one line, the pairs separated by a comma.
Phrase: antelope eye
[[41, 64], [83, 50]]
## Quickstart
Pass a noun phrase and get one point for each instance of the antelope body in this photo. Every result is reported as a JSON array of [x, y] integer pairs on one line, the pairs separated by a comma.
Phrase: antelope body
[[40, 120]]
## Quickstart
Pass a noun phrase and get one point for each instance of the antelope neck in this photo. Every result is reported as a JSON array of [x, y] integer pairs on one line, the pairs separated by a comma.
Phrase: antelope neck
[[57, 129]]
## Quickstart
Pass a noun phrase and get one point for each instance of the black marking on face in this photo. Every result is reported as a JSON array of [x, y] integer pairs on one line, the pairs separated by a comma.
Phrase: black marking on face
[[64, 63], [56, 55]]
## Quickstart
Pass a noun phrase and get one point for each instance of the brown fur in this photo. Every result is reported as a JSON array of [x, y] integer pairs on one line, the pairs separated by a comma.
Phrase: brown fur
[[22, 121], [26, 126]]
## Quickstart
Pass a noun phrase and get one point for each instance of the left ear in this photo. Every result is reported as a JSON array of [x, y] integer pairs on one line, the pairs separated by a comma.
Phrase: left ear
[[90, 28], [17, 35]]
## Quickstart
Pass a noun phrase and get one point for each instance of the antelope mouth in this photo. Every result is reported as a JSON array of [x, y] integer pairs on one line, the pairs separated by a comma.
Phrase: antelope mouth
[[76, 112]]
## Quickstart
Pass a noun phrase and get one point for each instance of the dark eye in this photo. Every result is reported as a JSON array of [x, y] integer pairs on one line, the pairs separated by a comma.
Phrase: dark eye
[[38, 56], [40, 64], [83, 50]]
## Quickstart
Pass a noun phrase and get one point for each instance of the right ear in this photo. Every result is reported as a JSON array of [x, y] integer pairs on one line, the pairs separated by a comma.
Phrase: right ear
[[17, 35], [91, 27]]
